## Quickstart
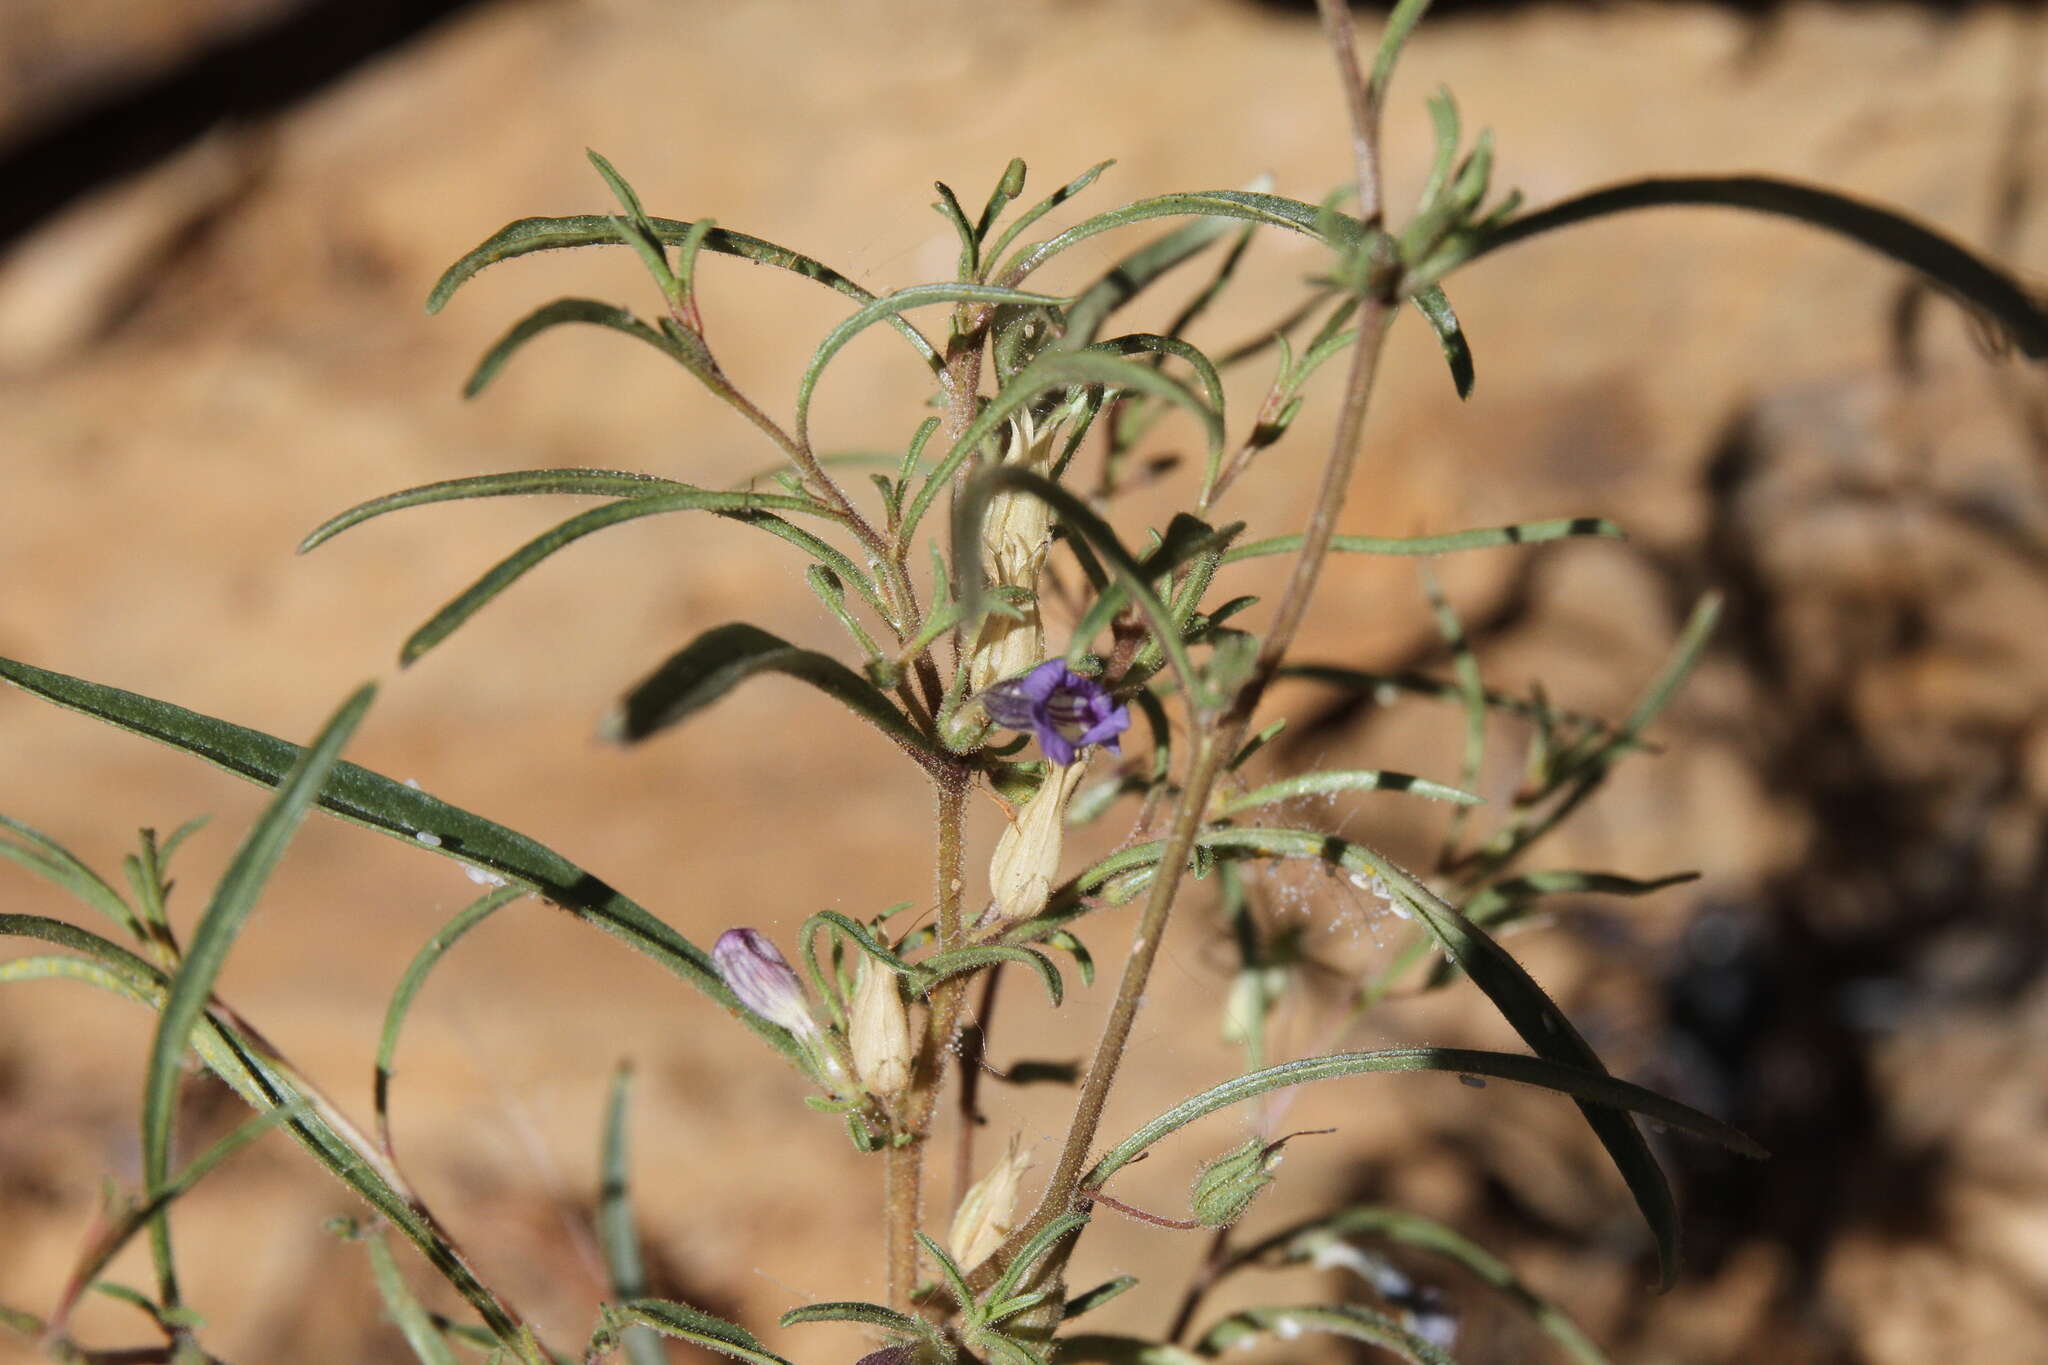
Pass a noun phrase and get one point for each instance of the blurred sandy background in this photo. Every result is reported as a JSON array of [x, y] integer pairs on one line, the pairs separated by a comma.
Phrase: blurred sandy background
[[204, 356]]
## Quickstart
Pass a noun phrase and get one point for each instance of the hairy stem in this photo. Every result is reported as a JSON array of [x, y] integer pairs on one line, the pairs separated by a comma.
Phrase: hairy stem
[[903, 1165], [1219, 736]]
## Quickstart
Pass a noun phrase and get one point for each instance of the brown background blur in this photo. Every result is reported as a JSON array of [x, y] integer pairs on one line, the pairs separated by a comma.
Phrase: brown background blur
[[204, 355]]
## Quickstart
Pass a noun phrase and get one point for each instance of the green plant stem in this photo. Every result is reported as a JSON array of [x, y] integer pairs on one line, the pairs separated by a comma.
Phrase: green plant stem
[[903, 1174], [1219, 736]]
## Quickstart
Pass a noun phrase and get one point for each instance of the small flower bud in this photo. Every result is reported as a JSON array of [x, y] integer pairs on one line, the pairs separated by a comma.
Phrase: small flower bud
[[983, 1219], [1226, 1187], [761, 977], [878, 1028], [1027, 856]]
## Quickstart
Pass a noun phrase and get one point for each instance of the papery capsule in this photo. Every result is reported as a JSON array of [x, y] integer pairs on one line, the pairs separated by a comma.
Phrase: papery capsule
[[1027, 856], [878, 1028], [988, 1209], [761, 977]]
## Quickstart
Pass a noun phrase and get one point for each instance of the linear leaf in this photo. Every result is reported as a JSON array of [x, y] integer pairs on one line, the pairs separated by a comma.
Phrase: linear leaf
[[526, 235], [1309, 219], [1586, 1086], [889, 306], [870, 1314], [603, 483], [423, 962], [52, 861], [1123, 281], [738, 506], [616, 1233], [1436, 310], [1353, 779], [417, 1325], [721, 658], [590, 311], [673, 1319], [1523, 533], [404, 813], [1972, 280], [225, 915]]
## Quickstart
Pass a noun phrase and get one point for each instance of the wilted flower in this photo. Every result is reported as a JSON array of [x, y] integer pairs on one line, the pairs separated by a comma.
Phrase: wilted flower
[[1066, 711], [878, 1029], [761, 977], [1027, 856], [987, 1209]]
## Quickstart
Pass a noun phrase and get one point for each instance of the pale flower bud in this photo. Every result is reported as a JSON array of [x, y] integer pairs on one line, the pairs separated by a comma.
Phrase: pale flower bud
[[988, 1209], [1016, 534], [1027, 857], [879, 1030], [761, 977]]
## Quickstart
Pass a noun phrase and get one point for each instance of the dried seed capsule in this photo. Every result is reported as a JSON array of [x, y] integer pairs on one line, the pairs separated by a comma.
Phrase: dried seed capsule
[[983, 1219], [878, 1029], [1027, 856]]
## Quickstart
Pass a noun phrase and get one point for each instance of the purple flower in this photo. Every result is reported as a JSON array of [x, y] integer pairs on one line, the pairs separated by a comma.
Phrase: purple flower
[[761, 977], [1065, 710]]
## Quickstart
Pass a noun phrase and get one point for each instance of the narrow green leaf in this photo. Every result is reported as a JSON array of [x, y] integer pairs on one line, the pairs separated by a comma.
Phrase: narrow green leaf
[[1355, 1321], [1407, 14], [1048, 1237], [974, 958], [1436, 310], [590, 311], [747, 507], [1354, 779], [1309, 219], [1094, 1298], [56, 864], [616, 1233], [636, 231], [949, 209], [1024, 220], [722, 658], [1970, 279], [232, 901], [1585, 1085], [603, 483], [1136, 272], [956, 1279], [405, 813], [429, 1347], [673, 1319], [889, 306], [527, 235], [868, 1314], [1523, 533], [423, 962]]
